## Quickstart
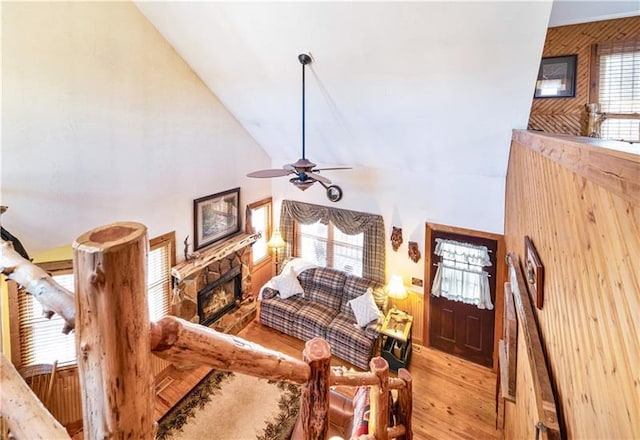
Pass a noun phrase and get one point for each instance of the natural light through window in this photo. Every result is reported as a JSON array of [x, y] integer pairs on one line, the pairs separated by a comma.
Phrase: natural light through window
[[326, 245], [619, 89], [461, 275]]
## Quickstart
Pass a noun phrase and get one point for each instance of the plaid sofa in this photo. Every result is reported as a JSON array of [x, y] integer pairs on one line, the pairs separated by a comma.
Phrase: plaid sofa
[[323, 311]]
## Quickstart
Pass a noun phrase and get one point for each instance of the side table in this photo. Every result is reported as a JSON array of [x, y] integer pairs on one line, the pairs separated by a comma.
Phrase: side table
[[396, 339]]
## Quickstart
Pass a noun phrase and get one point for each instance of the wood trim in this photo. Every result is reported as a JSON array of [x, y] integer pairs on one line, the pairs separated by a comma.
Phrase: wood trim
[[606, 163], [269, 230], [14, 323], [57, 267], [169, 236], [501, 272], [594, 75], [545, 400]]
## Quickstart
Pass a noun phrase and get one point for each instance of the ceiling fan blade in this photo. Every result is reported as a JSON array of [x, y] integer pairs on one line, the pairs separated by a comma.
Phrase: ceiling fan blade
[[270, 173], [335, 168], [319, 178]]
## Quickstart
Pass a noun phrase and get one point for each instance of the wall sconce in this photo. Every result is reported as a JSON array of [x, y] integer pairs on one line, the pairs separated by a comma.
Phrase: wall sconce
[[396, 237], [276, 242], [414, 251], [395, 288]]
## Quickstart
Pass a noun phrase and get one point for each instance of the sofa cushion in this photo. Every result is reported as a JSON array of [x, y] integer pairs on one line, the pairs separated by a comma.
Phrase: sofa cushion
[[312, 320], [355, 286], [323, 285], [365, 308], [281, 314], [350, 342], [287, 283]]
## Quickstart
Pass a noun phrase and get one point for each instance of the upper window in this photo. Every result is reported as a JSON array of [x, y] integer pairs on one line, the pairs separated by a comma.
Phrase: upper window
[[41, 340], [326, 245], [347, 240], [618, 89], [260, 220]]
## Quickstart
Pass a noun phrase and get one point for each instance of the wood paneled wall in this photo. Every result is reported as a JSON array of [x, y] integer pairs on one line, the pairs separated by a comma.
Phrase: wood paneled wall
[[568, 115], [66, 405], [413, 305], [580, 204]]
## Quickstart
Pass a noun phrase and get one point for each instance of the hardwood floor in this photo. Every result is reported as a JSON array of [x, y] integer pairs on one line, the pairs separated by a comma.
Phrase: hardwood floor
[[452, 398]]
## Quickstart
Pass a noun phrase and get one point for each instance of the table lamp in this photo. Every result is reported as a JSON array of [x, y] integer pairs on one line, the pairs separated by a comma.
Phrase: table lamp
[[276, 242], [396, 290]]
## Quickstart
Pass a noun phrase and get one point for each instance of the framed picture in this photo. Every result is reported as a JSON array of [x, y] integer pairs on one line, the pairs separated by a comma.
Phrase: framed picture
[[534, 272], [557, 77], [215, 217]]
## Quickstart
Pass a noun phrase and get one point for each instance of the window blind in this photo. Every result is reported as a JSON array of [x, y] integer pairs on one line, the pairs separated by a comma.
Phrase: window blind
[[159, 278], [619, 88], [41, 340]]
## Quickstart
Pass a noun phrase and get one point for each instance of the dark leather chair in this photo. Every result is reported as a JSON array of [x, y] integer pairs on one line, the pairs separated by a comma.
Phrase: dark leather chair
[[340, 415]]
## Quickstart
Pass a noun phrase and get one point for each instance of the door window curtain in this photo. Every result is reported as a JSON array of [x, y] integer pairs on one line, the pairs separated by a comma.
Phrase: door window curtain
[[460, 275], [349, 222]]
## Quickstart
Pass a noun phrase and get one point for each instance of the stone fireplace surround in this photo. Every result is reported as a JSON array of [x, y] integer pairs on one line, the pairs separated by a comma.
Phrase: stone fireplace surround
[[191, 277]]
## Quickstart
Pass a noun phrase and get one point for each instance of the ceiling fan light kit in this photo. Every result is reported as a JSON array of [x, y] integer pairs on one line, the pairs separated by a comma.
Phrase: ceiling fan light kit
[[305, 172]]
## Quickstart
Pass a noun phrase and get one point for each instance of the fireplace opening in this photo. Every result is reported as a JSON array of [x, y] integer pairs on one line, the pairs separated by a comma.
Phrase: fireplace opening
[[220, 296]]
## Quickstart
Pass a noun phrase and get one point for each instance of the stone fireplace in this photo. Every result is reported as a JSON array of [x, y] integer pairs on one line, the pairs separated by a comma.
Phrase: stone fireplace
[[220, 296], [214, 284]]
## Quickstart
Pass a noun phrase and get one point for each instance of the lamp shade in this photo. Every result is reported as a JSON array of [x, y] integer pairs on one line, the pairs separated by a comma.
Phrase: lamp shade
[[276, 240], [395, 288]]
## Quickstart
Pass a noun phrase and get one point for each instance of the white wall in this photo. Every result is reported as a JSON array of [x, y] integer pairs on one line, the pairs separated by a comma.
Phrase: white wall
[[419, 97], [103, 121]]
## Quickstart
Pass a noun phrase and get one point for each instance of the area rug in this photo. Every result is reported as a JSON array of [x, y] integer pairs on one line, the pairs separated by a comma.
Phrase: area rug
[[233, 406]]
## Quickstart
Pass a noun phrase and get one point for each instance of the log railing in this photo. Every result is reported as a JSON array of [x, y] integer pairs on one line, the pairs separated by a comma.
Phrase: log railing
[[114, 341]]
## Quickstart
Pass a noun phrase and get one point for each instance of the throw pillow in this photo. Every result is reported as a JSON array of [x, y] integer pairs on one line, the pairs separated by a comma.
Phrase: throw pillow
[[364, 308], [287, 283]]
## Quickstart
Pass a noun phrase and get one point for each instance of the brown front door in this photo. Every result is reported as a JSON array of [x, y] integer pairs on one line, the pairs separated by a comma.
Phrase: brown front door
[[462, 330], [458, 328]]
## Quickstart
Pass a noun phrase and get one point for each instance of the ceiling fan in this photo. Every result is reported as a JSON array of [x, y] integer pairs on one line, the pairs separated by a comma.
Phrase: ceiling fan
[[304, 170]]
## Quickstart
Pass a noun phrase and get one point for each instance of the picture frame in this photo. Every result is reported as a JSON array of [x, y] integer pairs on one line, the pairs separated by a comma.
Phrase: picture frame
[[534, 272], [557, 77], [215, 217]]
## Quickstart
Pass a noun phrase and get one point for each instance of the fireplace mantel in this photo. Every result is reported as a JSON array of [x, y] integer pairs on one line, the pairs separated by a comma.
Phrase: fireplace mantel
[[183, 270]]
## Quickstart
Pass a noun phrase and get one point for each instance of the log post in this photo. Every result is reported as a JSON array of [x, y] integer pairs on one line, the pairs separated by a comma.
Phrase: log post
[[405, 403], [314, 400], [24, 413], [379, 399], [112, 327]]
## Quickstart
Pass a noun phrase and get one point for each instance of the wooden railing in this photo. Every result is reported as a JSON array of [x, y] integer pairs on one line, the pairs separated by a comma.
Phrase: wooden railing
[[115, 340]]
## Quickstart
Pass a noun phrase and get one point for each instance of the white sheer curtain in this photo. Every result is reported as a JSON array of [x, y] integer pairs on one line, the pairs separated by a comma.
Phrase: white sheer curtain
[[460, 275]]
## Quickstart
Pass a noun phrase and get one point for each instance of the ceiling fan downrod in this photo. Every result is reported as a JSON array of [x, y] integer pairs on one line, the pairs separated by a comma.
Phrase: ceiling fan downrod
[[304, 60]]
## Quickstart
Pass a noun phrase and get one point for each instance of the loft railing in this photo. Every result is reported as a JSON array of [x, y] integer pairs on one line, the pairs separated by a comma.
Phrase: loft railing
[[115, 340]]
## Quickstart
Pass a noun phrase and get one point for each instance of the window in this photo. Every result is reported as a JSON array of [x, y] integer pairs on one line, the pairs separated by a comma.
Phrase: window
[[40, 339], [352, 238], [461, 275], [259, 217], [618, 89], [161, 258], [326, 245]]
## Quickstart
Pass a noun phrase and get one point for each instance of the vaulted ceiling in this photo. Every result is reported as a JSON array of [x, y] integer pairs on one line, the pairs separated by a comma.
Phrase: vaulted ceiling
[[420, 85], [417, 96]]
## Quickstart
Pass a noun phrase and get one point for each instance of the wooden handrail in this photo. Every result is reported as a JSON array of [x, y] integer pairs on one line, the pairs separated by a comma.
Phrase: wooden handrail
[[115, 340], [177, 340], [52, 296], [25, 415], [545, 400]]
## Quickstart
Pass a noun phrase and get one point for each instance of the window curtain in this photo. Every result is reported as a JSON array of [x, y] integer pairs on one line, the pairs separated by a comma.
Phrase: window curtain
[[460, 275], [349, 222]]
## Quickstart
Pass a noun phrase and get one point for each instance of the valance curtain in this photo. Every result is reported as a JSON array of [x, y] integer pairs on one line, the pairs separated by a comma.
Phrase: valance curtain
[[460, 275], [349, 222]]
